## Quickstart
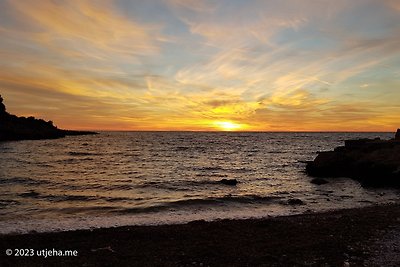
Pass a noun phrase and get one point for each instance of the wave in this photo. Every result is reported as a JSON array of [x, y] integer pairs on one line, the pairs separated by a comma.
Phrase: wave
[[30, 194], [69, 198], [97, 186], [73, 153], [4, 203], [117, 187], [86, 209], [203, 202], [56, 198], [72, 160], [184, 185], [118, 199], [211, 175], [277, 152], [23, 180], [213, 169], [167, 205], [193, 148]]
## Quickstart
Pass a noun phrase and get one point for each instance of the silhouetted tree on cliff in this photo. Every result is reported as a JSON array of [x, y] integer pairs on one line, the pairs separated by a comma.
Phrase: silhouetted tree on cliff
[[21, 128], [2, 107]]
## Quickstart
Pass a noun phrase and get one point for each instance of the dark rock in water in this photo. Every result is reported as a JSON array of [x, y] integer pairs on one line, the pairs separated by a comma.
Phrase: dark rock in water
[[14, 128], [397, 137], [295, 201], [373, 162], [29, 194], [229, 181], [319, 181]]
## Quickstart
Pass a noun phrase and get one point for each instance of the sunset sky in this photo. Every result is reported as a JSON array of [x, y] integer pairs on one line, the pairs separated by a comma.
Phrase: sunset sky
[[270, 65]]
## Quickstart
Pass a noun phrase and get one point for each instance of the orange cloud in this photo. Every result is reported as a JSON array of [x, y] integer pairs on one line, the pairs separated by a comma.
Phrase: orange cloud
[[85, 28], [196, 65]]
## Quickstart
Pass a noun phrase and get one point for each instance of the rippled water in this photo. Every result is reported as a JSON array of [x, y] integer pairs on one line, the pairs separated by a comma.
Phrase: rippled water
[[168, 177]]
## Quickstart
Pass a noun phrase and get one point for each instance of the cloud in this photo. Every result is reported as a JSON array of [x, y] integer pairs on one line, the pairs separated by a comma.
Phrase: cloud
[[290, 59], [84, 27], [176, 64], [78, 39], [203, 6], [80, 57]]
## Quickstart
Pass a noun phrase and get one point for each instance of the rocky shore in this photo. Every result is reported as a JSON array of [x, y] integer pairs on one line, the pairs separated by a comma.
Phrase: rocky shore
[[13, 128], [373, 162]]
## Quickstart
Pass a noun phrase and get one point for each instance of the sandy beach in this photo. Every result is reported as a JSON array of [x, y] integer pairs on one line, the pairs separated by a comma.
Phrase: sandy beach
[[354, 237]]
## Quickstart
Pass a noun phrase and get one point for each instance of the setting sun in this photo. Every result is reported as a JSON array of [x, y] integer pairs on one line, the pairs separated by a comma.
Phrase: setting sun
[[229, 126]]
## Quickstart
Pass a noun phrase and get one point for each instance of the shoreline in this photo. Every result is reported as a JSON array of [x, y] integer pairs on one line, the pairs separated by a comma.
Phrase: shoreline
[[357, 236], [162, 218]]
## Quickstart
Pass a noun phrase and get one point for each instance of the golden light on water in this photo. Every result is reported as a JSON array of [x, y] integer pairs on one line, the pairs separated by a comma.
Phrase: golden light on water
[[229, 126]]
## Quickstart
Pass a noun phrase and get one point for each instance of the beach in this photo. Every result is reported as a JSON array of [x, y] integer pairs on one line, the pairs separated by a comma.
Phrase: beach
[[366, 236]]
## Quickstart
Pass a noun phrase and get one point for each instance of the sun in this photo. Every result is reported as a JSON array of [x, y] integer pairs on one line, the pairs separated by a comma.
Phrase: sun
[[228, 125]]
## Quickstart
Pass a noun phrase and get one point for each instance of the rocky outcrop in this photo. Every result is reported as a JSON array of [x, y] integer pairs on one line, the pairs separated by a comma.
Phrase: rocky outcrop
[[319, 181], [229, 181], [373, 162], [14, 128]]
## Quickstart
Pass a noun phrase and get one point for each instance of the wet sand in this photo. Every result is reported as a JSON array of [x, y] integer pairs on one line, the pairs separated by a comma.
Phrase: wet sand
[[355, 237]]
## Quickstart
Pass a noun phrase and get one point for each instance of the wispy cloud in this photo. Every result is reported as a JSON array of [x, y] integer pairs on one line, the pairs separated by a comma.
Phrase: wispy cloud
[[204, 6], [83, 27], [173, 64]]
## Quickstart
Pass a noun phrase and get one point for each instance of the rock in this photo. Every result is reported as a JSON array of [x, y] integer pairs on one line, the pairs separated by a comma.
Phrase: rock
[[373, 162], [295, 201], [319, 181], [397, 136], [14, 128], [31, 193], [229, 181]]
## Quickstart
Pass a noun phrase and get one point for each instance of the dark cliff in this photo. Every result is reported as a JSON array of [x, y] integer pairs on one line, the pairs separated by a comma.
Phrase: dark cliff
[[21, 128]]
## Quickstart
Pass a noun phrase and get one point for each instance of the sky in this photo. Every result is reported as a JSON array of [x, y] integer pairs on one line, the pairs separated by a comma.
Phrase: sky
[[198, 65]]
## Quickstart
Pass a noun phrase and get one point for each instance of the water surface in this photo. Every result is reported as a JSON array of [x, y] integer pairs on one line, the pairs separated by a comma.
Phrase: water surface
[[118, 178]]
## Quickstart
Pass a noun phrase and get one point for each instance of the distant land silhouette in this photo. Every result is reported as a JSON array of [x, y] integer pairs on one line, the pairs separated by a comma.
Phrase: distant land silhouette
[[13, 128]]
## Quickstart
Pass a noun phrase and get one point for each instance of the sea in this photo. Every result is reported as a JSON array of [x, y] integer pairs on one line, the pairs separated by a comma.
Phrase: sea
[[151, 178]]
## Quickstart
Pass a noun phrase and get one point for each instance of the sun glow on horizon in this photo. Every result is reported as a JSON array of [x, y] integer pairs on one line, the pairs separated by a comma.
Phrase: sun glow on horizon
[[229, 126]]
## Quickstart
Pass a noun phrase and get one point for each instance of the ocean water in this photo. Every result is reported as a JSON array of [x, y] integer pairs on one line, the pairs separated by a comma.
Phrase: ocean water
[[134, 178]]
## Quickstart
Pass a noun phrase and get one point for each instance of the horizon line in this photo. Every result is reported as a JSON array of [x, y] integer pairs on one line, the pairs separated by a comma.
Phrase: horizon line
[[216, 131]]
